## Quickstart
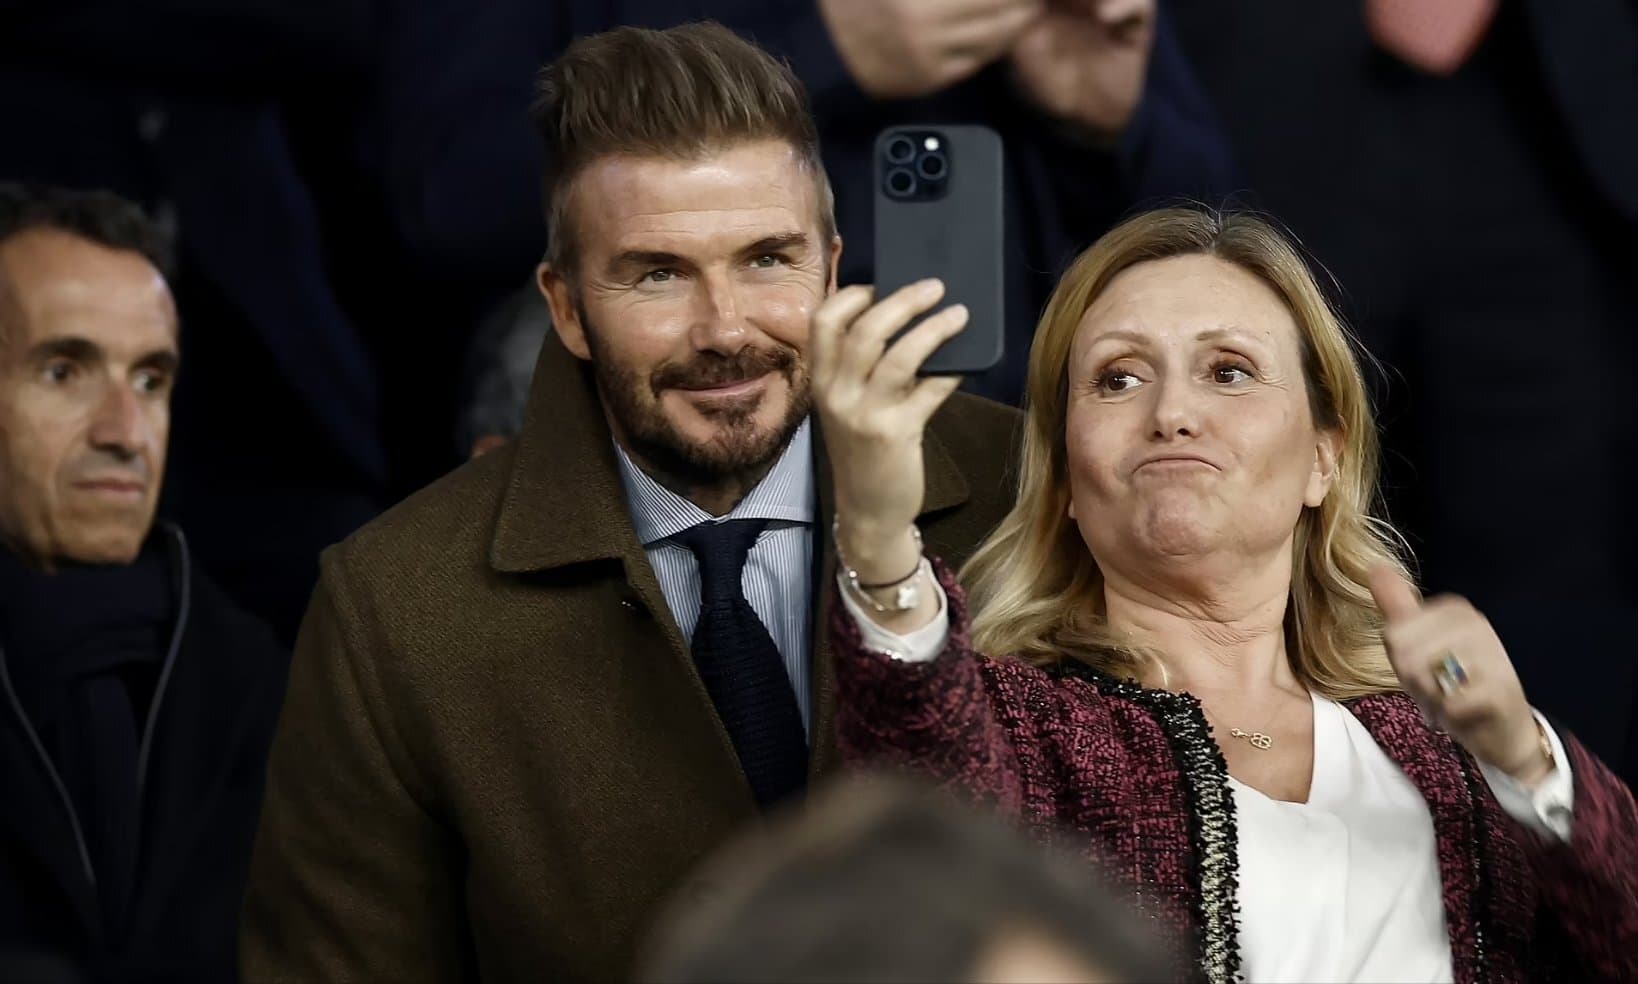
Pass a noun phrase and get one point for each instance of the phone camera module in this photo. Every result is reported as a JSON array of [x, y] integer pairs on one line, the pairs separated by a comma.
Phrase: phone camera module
[[901, 182]]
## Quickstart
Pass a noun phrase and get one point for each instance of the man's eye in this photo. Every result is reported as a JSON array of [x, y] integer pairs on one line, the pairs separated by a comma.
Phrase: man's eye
[[767, 261], [151, 382], [59, 372], [658, 276]]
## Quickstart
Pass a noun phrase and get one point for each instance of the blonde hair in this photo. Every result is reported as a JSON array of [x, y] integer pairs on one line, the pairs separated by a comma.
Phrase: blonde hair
[[1035, 589]]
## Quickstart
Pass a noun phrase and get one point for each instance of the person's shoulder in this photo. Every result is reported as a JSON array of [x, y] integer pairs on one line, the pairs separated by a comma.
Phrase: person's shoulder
[[982, 438], [965, 413], [441, 527], [978, 432]]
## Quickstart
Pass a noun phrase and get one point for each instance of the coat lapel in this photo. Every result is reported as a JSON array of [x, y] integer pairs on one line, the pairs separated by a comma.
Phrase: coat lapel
[[565, 505]]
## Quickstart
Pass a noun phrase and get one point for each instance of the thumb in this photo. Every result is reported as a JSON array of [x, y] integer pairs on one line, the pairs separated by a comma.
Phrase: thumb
[[1395, 596]]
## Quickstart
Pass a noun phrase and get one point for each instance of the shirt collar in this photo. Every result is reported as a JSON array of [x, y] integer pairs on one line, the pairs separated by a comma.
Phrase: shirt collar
[[785, 493]]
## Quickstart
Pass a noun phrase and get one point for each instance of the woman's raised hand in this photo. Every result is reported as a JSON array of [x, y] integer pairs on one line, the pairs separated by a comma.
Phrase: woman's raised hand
[[1453, 664], [873, 410]]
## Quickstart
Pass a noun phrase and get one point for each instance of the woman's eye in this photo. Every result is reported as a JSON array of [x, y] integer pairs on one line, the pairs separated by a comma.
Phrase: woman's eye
[[1229, 372], [1117, 381]]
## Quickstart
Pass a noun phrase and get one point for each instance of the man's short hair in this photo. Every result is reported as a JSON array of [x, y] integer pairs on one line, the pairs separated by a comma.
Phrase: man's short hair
[[99, 216], [880, 878], [680, 93]]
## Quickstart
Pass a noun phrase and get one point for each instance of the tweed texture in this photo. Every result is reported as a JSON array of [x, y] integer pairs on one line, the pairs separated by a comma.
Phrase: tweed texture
[[1123, 769]]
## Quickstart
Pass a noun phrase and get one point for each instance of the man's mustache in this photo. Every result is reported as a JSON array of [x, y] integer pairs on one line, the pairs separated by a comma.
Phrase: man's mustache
[[710, 370]]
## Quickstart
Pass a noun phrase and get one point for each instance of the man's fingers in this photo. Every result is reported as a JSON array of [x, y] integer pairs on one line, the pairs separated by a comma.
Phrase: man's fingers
[[862, 345], [898, 367], [830, 323], [1395, 597], [929, 395]]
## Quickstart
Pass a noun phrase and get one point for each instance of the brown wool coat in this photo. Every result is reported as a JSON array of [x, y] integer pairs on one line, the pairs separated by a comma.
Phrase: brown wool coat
[[496, 758]]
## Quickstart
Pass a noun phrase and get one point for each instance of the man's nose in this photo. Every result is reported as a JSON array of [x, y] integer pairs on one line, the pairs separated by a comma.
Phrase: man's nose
[[120, 425], [719, 324]]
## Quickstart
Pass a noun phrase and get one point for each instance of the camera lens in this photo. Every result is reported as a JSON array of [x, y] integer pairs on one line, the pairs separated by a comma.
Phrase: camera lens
[[900, 150], [931, 166], [901, 183]]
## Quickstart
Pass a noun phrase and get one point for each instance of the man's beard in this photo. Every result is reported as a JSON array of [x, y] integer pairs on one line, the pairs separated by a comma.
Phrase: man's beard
[[737, 447]]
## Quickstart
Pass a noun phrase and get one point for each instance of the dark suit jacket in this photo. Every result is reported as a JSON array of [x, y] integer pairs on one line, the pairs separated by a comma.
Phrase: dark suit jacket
[[497, 756], [213, 718]]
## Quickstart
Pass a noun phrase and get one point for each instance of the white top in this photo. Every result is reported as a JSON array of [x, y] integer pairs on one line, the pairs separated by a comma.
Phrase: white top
[[1346, 886]]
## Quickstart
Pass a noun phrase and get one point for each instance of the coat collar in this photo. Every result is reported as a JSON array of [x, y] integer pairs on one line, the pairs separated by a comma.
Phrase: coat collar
[[565, 503]]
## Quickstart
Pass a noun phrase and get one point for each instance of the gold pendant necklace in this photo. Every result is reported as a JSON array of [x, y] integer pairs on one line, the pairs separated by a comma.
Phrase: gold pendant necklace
[[1256, 738]]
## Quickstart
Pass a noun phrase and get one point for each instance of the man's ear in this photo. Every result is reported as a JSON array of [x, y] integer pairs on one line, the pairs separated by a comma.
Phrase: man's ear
[[835, 263], [559, 294]]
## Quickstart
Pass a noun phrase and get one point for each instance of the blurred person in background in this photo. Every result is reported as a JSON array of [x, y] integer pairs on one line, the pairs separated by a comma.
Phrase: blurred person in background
[[883, 879], [529, 698], [1469, 170], [499, 366], [1191, 642], [1095, 105], [181, 106], [138, 701]]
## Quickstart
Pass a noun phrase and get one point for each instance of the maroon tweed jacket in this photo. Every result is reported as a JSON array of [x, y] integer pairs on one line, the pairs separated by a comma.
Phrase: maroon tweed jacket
[[1137, 773]]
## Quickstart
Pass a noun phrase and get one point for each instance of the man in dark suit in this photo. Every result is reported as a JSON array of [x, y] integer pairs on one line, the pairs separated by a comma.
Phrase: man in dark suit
[[138, 703], [528, 699], [1097, 109], [180, 106], [1468, 170]]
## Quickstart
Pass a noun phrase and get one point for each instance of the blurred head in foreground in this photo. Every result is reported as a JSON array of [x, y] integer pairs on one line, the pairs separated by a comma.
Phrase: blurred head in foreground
[[881, 880]]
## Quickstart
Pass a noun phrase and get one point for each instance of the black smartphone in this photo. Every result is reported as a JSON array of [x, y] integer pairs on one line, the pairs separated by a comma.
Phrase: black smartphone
[[939, 214]]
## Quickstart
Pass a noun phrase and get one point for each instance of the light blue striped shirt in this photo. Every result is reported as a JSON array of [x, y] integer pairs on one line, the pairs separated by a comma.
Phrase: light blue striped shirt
[[778, 577]]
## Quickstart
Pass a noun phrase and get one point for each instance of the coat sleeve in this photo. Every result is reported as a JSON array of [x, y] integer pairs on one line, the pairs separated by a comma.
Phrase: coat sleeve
[[959, 718], [352, 877], [1589, 885]]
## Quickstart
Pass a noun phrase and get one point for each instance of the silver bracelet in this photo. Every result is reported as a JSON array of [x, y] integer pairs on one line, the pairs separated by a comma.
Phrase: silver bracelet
[[906, 590]]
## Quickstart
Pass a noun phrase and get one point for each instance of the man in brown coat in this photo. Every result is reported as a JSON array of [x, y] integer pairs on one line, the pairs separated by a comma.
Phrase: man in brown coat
[[529, 699]]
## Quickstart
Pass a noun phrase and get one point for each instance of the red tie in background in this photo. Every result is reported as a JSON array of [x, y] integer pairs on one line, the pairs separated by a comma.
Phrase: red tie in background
[[1436, 36]]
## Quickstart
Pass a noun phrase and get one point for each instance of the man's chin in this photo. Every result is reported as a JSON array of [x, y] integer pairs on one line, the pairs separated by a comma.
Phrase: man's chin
[[107, 540]]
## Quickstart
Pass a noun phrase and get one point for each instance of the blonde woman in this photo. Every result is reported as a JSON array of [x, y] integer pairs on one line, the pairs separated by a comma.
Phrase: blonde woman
[[1192, 644]]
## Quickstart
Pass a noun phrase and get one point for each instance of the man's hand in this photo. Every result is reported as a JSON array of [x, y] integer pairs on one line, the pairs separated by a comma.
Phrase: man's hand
[[900, 49], [1481, 704], [1085, 61], [873, 410]]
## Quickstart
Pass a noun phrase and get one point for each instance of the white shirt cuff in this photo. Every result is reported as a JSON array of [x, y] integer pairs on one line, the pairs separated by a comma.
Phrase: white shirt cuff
[[921, 646], [1547, 809]]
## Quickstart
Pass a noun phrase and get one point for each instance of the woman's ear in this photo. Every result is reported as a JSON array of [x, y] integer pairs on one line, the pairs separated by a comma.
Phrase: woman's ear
[[1327, 455]]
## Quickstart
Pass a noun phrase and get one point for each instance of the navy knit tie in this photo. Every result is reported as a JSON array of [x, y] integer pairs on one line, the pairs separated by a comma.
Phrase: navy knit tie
[[740, 665]]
